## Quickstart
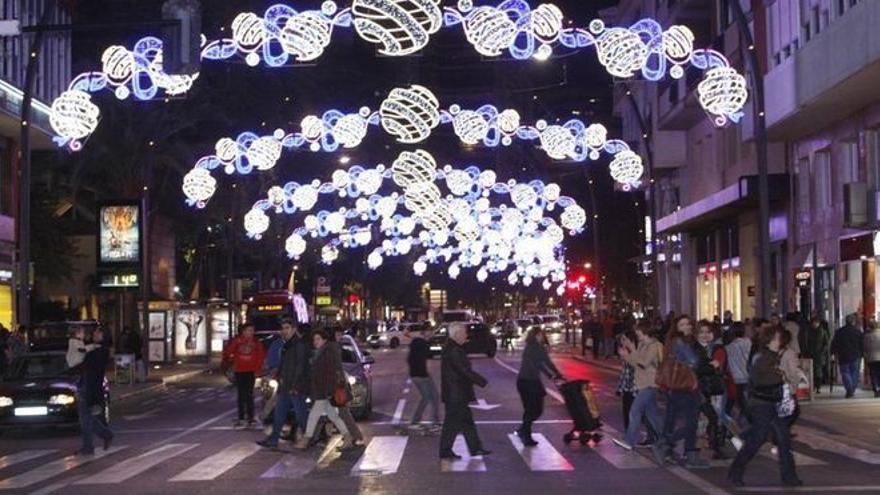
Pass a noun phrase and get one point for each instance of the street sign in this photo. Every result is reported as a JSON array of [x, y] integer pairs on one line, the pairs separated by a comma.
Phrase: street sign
[[323, 301], [323, 286]]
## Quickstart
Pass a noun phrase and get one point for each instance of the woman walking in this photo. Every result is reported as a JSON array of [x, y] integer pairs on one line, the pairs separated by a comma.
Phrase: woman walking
[[766, 381], [645, 358], [535, 361], [791, 372], [326, 377], [872, 355], [710, 371], [683, 405], [626, 385], [247, 355]]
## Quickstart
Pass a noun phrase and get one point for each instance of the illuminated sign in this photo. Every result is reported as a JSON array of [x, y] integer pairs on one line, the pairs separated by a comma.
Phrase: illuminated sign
[[268, 308], [119, 234], [323, 301], [119, 280], [803, 278]]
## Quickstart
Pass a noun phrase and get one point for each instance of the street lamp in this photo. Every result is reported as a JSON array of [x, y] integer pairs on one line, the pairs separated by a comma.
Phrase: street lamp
[[588, 265]]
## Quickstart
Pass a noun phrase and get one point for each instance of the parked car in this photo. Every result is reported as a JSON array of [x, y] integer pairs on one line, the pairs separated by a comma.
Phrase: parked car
[[394, 336], [551, 323], [38, 390], [480, 340]]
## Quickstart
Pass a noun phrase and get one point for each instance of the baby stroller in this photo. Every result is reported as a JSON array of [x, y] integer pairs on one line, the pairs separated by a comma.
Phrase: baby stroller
[[584, 411]]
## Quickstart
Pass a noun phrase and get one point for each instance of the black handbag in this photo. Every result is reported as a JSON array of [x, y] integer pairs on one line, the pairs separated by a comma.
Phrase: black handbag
[[768, 393]]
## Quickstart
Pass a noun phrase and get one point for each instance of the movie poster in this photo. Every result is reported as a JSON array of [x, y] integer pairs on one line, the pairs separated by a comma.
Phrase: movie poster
[[219, 328], [190, 333], [120, 234]]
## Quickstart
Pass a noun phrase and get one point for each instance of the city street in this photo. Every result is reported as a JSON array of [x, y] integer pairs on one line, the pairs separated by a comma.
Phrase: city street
[[181, 440]]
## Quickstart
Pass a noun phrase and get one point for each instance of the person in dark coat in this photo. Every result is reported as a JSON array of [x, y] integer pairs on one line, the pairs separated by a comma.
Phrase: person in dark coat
[[132, 344], [594, 330], [818, 342], [535, 361], [90, 395], [457, 390], [847, 345], [290, 376]]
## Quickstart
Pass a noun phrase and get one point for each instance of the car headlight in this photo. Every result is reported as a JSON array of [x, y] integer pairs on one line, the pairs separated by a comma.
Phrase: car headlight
[[62, 400], [273, 384], [351, 380], [5, 401]]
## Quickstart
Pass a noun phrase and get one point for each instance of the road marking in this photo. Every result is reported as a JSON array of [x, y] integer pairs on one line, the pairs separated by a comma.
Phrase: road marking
[[212, 467], [143, 415], [193, 429], [382, 456], [541, 457], [54, 487], [398, 412], [134, 466], [819, 441], [290, 467], [482, 405], [618, 457], [406, 390], [833, 489], [799, 459], [490, 422], [23, 456], [466, 464], [52, 469], [697, 482]]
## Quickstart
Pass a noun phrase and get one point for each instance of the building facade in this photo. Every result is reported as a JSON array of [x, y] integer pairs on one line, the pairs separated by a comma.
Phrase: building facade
[[53, 74]]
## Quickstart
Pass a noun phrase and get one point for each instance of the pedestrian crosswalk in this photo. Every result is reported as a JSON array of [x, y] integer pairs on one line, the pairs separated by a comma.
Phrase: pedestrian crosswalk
[[383, 455]]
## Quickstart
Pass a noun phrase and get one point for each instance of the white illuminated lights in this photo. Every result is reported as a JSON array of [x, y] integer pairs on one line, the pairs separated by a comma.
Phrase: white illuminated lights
[[256, 222], [410, 113], [199, 186], [490, 30], [400, 27], [305, 35], [626, 168], [74, 116], [722, 93]]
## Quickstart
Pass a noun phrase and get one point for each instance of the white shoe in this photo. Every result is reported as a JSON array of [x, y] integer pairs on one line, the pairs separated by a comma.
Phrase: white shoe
[[737, 443], [622, 444], [774, 450]]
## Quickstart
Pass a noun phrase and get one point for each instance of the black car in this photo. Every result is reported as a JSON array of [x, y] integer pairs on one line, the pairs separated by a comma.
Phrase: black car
[[39, 390], [480, 340]]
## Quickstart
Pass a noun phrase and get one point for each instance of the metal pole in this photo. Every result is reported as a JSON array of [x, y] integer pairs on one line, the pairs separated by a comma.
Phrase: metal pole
[[146, 282], [761, 156], [597, 258]]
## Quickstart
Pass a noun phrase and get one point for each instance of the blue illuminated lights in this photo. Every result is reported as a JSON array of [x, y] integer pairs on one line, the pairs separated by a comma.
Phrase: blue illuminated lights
[[283, 36]]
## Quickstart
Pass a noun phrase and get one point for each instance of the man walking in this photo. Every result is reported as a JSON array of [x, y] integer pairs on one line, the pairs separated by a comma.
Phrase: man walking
[[457, 383], [419, 352], [594, 330], [90, 395], [847, 346], [645, 358], [291, 375]]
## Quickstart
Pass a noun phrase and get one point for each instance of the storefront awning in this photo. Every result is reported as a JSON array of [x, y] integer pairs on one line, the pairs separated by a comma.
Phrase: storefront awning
[[727, 202]]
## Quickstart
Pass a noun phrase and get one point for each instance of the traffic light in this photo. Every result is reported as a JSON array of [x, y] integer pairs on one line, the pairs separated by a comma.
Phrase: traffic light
[[181, 46]]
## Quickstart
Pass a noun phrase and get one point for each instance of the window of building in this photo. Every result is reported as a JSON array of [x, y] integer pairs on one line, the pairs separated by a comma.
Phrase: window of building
[[849, 162], [803, 191], [814, 22], [822, 179], [872, 158]]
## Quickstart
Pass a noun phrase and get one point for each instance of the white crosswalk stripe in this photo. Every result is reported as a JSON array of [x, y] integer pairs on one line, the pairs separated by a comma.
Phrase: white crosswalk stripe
[[290, 467], [466, 463], [134, 466], [541, 457], [217, 464], [619, 458], [382, 456], [53, 469], [24, 456]]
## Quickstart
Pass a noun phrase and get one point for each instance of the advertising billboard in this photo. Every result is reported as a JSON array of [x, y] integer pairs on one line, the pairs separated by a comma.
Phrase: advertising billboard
[[119, 234], [190, 333]]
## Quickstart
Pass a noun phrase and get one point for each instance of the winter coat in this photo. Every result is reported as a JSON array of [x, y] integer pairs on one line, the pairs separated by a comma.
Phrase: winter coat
[[275, 353], [738, 359], [535, 361], [457, 379], [791, 370], [326, 372], [247, 354], [94, 367], [646, 360], [818, 342], [293, 372], [872, 346], [847, 344], [795, 329], [711, 380], [764, 374]]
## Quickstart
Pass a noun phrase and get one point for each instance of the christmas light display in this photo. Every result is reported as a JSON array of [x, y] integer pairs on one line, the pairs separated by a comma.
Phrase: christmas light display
[[402, 27]]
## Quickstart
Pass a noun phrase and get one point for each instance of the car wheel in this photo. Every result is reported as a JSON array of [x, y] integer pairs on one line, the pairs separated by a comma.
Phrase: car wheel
[[394, 343]]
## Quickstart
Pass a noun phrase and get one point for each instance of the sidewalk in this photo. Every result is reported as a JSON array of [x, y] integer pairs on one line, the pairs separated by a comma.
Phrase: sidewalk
[[159, 376]]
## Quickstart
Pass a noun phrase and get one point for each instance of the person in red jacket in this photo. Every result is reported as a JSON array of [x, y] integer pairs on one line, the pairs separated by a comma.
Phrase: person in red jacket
[[246, 354]]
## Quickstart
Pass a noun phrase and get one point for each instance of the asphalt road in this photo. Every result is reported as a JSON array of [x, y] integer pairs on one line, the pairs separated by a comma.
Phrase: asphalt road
[[181, 441]]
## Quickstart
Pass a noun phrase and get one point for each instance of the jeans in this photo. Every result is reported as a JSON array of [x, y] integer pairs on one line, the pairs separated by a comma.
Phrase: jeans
[[428, 393], [765, 422], [284, 403], [531, 393], [89, 424], [608, 344], [244, 383], [849, 375], [626, 401], [874, 371], [459, 419], [644, 406], [683, 406], [321, 408], [353, 431]]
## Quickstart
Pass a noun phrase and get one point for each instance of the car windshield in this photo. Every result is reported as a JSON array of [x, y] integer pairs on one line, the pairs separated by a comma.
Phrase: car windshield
[[39, 366], [349, 356]]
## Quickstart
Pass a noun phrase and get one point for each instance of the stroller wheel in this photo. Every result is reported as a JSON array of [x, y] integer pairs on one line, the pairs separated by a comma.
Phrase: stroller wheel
[[584, 438], [567, 438]]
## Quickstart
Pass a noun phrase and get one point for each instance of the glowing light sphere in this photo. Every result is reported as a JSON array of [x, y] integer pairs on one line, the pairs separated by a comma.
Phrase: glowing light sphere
[[334, 222], [482, 275], [552, 192], [386, 207], [295, 245], [626, 168], [723, 93], [422, 197], [276, 196], [437, 219], [256, 222], [487, 178], [117, 64], [248, 31], [523, 196], [305, 35], [73, 115], [264, 153], [369, 181], [453, 271], [547, 22], [459, 182], [470, 127], [508, 121], [312, 127], [226, 150], [413, 167], [678, 43], [401, 27], [409, 114], [489, 30], [621, 51], [596, 135], [304, 197], [419, 267], [199, 186], [573, 218], [406, 226], [340, 179], [350, 130], [374, 260], [558, 142], [329, 254]]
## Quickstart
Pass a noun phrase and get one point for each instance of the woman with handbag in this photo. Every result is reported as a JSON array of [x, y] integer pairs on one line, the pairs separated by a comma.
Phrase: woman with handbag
[[791, 371], [766, 404], [676, 376], [711, 379], [329, 389]]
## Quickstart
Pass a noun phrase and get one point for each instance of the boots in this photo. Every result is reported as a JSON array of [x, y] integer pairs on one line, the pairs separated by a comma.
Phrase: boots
[[694, 461], [302, 443], [525, 435]]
